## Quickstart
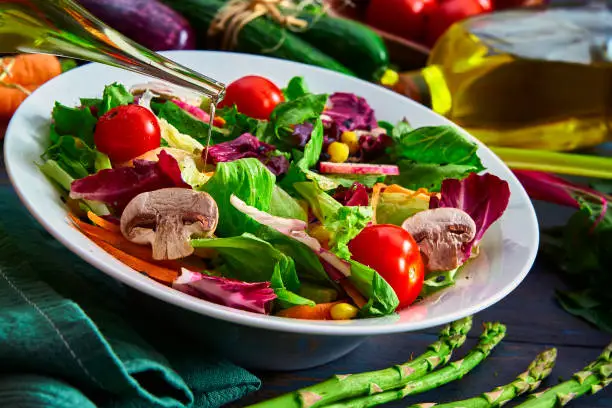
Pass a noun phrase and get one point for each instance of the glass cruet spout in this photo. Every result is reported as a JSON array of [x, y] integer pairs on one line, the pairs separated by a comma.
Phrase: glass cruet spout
[[64, 28]]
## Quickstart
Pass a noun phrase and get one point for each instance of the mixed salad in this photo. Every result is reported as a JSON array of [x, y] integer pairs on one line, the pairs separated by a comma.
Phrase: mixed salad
[[304, 205]]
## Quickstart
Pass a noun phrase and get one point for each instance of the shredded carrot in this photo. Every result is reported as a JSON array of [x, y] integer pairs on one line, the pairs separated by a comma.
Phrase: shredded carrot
[[121, 243], [156, 272], [321, 311], [376, 190], [102, 223], [353, 293], [218, 121]]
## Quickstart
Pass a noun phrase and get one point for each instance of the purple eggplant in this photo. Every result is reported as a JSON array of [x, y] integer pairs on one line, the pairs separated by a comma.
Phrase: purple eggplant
[[148, 22]]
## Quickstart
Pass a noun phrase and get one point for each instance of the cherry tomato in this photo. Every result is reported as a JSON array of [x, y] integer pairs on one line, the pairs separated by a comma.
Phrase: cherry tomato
[[253, 96], [405, 18], [127, 131], [449, 12], [395, 255]]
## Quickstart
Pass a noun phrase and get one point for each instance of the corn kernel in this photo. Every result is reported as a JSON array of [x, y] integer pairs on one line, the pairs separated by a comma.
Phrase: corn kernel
[[351, 140], [343, 311], [321, 234], [338, 152]]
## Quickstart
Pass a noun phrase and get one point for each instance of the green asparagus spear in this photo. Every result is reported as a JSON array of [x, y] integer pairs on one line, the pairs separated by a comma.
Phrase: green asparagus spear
[[493, 333], [354, 385], [528, 381], [591, 379]]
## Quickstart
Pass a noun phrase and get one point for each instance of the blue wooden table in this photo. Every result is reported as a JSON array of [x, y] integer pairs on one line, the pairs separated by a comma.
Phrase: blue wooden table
[[534, 320]]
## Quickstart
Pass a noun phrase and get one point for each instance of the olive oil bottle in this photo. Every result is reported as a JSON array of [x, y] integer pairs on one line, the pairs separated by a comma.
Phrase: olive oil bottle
[[530, 78], [64, 28]]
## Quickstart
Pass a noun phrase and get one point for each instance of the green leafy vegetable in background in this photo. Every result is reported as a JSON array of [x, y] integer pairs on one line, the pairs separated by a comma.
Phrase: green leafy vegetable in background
[[582, 251], [428, 155], [238, 124], [250, 181]]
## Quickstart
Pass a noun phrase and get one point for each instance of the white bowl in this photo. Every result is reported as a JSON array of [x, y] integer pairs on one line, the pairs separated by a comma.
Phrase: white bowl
[[257, 341]]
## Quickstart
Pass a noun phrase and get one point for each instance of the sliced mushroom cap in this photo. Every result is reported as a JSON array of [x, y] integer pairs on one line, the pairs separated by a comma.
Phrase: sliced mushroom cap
[[441, 234], [168, 218], [166, 91]]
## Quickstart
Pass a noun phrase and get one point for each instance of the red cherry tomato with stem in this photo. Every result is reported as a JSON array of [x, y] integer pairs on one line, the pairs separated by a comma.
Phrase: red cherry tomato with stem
[[404, 18], [126, 132], [254, 96], [395, 255]]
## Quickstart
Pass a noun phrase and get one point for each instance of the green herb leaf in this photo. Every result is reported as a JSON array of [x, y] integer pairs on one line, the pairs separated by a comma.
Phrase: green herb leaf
[[296, 88], [114, 95], [382, 299], [428, 155], [77, 122], [250, 181], [312, 150], [238, 124], [305, 108], [72, 155]]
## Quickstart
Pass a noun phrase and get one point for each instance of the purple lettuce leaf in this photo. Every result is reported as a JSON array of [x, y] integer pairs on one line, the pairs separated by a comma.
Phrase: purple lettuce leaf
[[118, 186], [247, 146], [484, 197], [302, 132], [253, 297], [356, 195], [350, 112]]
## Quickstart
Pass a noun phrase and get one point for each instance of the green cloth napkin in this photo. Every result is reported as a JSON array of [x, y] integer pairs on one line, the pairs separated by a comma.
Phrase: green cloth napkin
[[69, 337]]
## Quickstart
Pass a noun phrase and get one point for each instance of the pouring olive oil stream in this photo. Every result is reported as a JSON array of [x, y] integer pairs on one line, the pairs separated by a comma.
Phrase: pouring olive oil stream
[[64, 28]]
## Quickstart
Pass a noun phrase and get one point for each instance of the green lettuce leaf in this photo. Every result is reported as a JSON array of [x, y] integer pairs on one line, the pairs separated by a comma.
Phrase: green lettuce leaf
[[77, 122], [250, 181], [285, 297], [178, 140], [251, 259], [296, 88], [283, 205], [306, 261], [343, 223], [382, 299], [114, 95], [91, 102], [312, 150], [428, 155]]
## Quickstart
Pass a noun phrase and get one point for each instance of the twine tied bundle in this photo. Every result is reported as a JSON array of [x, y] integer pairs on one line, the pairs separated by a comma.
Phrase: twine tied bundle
[[237, 13]]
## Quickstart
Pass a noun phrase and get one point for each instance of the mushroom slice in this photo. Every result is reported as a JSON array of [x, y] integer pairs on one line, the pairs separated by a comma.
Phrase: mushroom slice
[[167, 92], [441, 234], [168, 218]]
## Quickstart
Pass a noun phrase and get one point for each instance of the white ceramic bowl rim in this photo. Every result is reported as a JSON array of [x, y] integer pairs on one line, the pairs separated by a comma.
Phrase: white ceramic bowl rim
[[17, 163]]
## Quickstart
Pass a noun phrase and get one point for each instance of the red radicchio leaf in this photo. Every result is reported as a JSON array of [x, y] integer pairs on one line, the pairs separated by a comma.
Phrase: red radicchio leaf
[[356, 195], [483, 197], [118, 186], [245, 146], [350, 112], [556, 190], [252, 297]]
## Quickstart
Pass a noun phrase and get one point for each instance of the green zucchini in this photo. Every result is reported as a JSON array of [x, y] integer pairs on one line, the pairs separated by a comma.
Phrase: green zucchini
[[260, 36], [350, 42]]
